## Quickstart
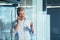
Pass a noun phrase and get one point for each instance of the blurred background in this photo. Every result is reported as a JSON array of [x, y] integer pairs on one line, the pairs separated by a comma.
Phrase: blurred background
[[53, 9], [35, 10]]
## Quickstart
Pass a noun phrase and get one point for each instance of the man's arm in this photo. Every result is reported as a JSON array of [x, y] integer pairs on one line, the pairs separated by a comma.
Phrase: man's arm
[[16, 27], [31, 26]]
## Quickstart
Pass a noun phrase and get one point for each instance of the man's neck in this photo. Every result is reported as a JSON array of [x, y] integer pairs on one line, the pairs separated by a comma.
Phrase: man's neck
[[21, 19]]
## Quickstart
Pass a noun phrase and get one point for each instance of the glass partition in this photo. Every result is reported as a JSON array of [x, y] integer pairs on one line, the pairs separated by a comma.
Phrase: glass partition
[[6, 15]]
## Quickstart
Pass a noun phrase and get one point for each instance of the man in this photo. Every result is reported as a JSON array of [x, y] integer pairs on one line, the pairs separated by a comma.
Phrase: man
[[21, 28]]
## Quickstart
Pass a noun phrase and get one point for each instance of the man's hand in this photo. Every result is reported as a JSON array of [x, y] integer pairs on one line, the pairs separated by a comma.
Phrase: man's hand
[[16, 27], [31, 26], [18, 19]]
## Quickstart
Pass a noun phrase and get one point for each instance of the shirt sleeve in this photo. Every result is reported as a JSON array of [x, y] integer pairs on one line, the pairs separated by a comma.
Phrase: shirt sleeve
[[29, 22], [13, 24], [13, 32]]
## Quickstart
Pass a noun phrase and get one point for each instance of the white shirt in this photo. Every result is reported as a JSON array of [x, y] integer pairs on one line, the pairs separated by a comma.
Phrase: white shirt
[[23, 30]]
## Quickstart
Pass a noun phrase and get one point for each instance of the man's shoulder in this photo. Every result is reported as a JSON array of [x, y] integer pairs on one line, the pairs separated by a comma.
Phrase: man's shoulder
[[27, 20], [14, 21]]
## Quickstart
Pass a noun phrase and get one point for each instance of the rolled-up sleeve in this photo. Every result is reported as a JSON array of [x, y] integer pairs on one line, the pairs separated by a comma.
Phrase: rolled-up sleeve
[[13, 24], [13, 32]]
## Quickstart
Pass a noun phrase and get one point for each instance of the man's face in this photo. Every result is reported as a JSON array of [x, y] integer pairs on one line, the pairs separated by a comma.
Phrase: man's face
[[21, 14]]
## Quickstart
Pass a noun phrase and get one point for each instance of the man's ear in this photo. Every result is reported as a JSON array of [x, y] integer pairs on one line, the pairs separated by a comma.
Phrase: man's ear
[[18, 14]]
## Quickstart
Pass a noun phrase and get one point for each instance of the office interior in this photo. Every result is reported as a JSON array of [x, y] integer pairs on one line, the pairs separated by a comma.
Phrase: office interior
[[35, 10]]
